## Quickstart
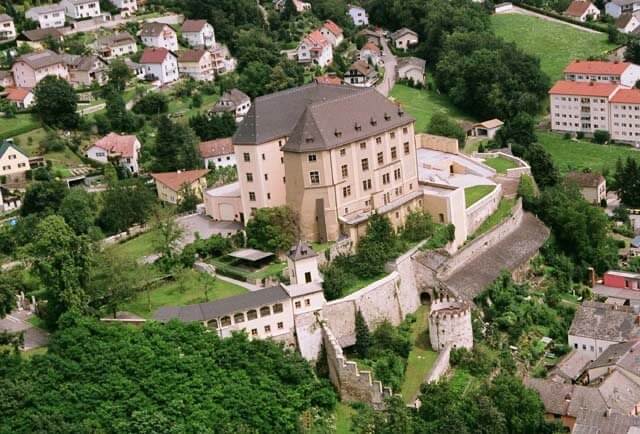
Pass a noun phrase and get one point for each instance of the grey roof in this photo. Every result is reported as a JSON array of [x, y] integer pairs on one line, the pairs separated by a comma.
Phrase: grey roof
[[572, 365], [37, 35], [401, 32], [41, 59], [301, 250], [82, 63], [598, 422], [554, 395], [38, 10], [319, 117], [624, 2], [153, 29], [226, 306], [625, 354], [116, 39], [4, 18], [635, 242], [234, 96], [411, 61], [250, 254], [605, 321], [360, 67], [620, 392]]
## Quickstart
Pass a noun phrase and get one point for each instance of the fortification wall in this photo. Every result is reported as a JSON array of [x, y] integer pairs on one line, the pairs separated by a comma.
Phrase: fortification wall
[[440, 366], [351, 383], [477, 246], [478, 212], [309, 335], [450, 324]]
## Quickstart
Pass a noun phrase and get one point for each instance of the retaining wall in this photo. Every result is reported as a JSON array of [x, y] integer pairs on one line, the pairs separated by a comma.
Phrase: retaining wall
[[132, 232], [440, 366], [351, 383], [477, 213]]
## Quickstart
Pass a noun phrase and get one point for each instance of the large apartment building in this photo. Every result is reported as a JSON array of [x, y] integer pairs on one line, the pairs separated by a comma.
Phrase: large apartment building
[[623, 73], [335, 154]]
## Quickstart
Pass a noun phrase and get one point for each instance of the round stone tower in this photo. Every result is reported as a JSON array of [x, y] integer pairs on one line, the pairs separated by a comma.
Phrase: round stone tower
[[450, 323]]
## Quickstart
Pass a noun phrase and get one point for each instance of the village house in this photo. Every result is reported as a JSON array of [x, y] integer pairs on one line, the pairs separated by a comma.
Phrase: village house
[[29, 69], [36, 38], [86, 70], [6, 78], [487, 129], [223, 203], [198, 33], [222, 60], [404, 38], [14, 163], [136, 69], [411, 68], [121, 149], [233, 101], [171, 185], [361, 74], [624, 73], [330, 78], [159, 35], [376, 36], [620, 287], [217, 153], [127, 6], [80, 9], [298, 5], [370, 52], [196, 64], [22, 97], [358, 15], [582, 10], [159, 64], [332, 33], [118, 44], [48, 16], [615, 8], [593, 186], [7, 28], [627, 22], [315, 49]]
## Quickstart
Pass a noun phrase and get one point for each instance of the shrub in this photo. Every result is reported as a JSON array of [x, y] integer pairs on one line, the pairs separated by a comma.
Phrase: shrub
[[418, 226], [336, 278], [580, 135], [566, 136], [601, 136]]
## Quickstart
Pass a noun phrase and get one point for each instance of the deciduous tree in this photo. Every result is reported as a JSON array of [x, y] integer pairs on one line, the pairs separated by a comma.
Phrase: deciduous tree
[[56, 103]]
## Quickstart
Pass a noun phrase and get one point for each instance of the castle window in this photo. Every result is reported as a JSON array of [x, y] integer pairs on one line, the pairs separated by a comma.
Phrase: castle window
[[312, 157], [366, 184], [343, 152], [380, 158], [265, 311], [345, 171], [277, 308], [280, 326], [267, 329], [363, 145], [394, 153], [406, 147], [307, 302], [252, 314], [365, 164], [213, 324], [238, 318], [298, 305], [225, 321], [249, 177], [378, 140], [252, 196], [254, 332], [346, 191], [315, 177], [246, 156]]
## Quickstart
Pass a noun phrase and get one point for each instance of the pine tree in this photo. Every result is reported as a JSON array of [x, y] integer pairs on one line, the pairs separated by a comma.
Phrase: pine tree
[[363, 337]]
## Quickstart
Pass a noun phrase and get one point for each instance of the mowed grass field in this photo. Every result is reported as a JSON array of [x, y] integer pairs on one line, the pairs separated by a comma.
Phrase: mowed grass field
[[581, 154], [555, 44]]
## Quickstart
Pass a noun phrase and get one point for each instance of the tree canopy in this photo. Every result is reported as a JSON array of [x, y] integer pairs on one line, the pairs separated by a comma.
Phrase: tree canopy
[[56, 103], [272, 229]]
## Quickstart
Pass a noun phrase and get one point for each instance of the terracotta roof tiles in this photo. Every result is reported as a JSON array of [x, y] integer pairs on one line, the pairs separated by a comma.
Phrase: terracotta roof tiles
[[175, 180], [579, 88]]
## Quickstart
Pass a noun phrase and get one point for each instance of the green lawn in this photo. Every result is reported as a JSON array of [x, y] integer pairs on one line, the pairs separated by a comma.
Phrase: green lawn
[[422, 104], [22, 123], [503, 211], [554, 43], [183, 105], [477, 192], [30, 143], [188, 288], [500, 164], [421, 357], [580, 154], [137, 247], [462, 381], [344, 412], [359, 283]]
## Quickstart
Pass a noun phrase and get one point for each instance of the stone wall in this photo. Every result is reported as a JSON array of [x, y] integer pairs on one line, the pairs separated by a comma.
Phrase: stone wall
[[123, 236], [477, 246], [351, 383], [478, 212], [308, 334], [440, 366]]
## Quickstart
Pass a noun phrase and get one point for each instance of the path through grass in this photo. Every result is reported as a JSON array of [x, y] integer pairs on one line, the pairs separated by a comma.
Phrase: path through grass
[[421, 357]]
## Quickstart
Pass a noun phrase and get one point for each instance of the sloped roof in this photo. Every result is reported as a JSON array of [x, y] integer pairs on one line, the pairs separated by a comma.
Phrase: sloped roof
[[154, 55], [371, 46], [116, 39], [153, 29], [315, 39], [41, 59], [361, 66], [577, 8], [332, 27], [4, 18], [301, 250], [6, 145], [193, 25], [17, 94], [579, 88], [411, 61], [214, 148], [572, 365], [596, 66], [82, 63], [626, 96], [118, 144], [37, 35], [585, 179], [188, 56], [54, 7], [625, 355], [620, 392], [598, 422], [328, 79], [604, 321], [402, 32], [491, 123], [318, 111], [623, 20], [176, 180]]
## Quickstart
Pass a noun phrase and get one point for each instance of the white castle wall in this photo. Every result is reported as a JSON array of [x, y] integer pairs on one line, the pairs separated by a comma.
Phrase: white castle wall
[[450, 324], [477, 213]]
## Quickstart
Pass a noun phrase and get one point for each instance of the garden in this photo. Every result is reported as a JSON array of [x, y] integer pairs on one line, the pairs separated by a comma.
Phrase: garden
[[500, 164]]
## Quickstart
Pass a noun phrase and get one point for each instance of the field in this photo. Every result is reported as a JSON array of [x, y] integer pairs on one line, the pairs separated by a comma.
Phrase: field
[[421, 357], [422, 104], [580, 154], [554, 43], [137, 247], [22, 123], [188, 288], [500, 164], [477, 192]]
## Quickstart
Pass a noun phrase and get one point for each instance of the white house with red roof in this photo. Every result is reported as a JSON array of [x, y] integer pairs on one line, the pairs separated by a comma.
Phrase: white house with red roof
[[119, 148], [582, 11], [22, 97], [197, 64], [370, 50], [159, 35], [623, 73], [199, 33], [171, 185], [315, 49], [217, 153], [332, 33], [160, 64]]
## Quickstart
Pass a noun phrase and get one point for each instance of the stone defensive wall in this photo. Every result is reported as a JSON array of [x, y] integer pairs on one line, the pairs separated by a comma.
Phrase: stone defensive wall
[[515, 172], [478, 212], [352, 384]]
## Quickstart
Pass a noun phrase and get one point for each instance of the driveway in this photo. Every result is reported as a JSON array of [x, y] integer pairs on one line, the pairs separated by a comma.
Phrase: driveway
[[205, 227], [17, 321], [390, 63]]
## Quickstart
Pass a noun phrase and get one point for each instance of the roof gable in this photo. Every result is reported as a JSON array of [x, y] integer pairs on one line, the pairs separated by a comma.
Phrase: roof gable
[[176, 180]]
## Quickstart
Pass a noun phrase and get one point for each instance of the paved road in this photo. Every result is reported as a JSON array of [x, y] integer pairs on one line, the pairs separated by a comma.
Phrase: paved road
[[205, 227], [17, 322], [390, 63]]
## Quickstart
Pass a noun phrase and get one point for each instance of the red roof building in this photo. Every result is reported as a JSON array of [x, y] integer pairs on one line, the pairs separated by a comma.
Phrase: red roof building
[[176, 180], [626, 96], [215, 148], [332, 27], [116, 144], [193, 25], [596, 67], [153, 55], [577, 88]]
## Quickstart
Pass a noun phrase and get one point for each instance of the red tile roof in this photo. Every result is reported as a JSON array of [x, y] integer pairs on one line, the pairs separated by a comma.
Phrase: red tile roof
[[17, 94], [316, 39], [117, 144], [628, 96], [579, 88], [175, 180], [596, 67], [332, 27], [328, 79], [371, 46], [214, 148], [193, 25], [191, 55], [577, 8], [153, 55]]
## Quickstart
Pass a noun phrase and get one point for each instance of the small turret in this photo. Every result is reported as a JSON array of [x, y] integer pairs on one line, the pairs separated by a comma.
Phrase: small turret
[[303, 264]]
